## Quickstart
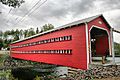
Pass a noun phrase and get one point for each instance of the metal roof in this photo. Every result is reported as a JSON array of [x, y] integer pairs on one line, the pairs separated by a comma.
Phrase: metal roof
[[62, 27]]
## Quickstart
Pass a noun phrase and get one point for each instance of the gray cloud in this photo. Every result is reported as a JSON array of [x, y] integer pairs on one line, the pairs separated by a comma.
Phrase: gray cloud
[[57, 12], [62, 8], [114, 19], [113, 3]]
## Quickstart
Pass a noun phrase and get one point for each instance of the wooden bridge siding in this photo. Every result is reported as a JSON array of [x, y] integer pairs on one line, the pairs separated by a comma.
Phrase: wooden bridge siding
[[104, 25], [77, 44], [101, 49]]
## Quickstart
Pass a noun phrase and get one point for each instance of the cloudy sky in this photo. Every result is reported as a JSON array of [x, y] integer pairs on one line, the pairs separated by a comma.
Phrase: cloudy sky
[[58, 12]]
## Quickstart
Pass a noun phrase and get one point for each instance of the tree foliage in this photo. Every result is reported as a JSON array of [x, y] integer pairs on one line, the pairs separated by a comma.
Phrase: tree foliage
[[6, 34], [12, 3], [47, 27], [117, 48], [25, 33], [1, 43], [1, 34], [37, 30], [13, 35], [16, 35], [31, 32]]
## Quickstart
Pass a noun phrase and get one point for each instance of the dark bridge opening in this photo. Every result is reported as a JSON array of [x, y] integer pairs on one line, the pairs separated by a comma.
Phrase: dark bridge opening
[[99, 43]]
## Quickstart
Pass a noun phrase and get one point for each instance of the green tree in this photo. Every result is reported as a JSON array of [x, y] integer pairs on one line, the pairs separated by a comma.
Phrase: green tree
[[31, 32], [1, 34], [16, 35], [47, 27], [12, 32], [6, 43], [12, 3], [37, 30], [117, 48], [1, 43], [5, 39], [25, 33], [6, 34]]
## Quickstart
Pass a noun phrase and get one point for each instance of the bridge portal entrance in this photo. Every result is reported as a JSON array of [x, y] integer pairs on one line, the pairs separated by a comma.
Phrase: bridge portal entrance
[[99, 44]]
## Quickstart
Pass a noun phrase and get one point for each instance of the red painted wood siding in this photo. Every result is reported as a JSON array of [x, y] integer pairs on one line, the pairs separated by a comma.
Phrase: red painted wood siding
[[101, 49], [77, 59], [104, 25], [96, 23]]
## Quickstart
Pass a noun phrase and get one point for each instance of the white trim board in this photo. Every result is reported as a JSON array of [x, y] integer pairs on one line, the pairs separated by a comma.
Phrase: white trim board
[[87, 47], [90, 39]]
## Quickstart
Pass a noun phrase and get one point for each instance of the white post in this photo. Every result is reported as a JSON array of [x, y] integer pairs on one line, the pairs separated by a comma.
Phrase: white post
[[87, 45], [113, 53]]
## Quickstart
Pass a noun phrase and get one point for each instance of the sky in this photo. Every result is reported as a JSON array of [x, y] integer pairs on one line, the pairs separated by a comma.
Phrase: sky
[[58, 13]]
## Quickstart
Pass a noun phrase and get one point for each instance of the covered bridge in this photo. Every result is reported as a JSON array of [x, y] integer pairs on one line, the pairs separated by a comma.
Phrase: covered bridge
[[71, 45]]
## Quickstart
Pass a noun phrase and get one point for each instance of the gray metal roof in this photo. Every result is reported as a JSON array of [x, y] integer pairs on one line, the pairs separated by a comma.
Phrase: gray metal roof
[[63, 27]]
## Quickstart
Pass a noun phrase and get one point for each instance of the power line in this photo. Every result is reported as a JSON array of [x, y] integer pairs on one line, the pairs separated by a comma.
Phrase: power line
[[11, 10], [16, 18], [32, 11], [116, 31], [8, 14], [37, 8]]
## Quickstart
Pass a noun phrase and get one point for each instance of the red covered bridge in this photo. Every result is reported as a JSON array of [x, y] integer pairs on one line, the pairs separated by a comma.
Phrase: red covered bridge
[[72, 45]]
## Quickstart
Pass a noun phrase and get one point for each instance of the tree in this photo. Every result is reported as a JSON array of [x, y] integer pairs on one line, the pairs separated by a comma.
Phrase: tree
[[1, 34], [12, 32], [25, 33], [1, 43], [12, 3], [31, 32], [117, 48], [47, 27], [37, 30], [6, 33], [16, 35]]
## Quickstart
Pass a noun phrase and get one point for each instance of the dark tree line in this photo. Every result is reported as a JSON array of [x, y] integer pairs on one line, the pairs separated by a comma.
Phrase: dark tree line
[[12, 3], [117, 49], [13, 35]]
